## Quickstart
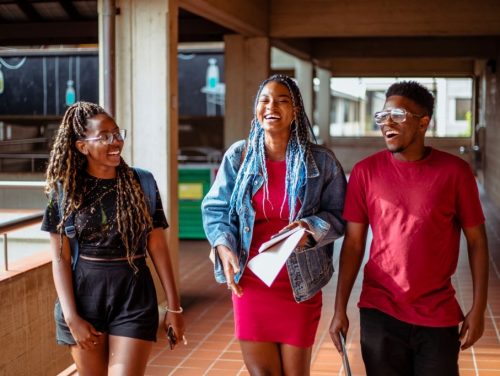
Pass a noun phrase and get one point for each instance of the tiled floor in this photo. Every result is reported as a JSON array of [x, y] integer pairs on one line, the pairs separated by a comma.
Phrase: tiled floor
[[213, 351]]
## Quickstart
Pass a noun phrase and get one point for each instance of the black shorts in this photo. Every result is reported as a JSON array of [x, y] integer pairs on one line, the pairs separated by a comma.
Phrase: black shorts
[[391, 347], [114, 299]]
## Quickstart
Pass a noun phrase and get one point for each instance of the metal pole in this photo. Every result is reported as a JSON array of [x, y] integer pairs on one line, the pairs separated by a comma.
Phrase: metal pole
[[5, 258], [108, 53]]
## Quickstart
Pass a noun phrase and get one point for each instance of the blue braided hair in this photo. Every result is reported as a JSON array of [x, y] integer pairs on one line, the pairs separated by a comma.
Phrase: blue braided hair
[[297, 153]]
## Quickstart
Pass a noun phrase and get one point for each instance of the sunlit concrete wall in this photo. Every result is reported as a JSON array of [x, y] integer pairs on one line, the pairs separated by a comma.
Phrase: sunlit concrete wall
[[27, 331]]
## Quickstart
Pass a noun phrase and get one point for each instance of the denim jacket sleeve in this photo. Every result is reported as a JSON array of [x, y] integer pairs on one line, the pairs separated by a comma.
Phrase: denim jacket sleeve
[[220, 227], [326, 221]]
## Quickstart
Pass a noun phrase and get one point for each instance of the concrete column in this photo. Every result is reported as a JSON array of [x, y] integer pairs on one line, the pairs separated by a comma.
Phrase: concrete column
[[247, 64], [107, 15], [340, 109], [147, 90], [304, 77], [323, 105], [440, 113]]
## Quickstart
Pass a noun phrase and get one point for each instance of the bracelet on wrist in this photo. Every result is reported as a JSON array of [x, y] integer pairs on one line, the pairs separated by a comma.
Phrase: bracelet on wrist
[[180, 310]]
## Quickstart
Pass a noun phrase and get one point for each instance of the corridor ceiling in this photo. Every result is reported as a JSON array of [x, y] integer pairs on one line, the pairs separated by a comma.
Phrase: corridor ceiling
[[37, 23], [347, 37], [42, 22]]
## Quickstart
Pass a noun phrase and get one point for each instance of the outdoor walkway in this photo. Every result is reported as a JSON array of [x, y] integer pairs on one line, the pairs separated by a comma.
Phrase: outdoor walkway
[[213, 351]]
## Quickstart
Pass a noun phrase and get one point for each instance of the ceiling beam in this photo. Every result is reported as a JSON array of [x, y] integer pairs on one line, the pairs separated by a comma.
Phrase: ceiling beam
[[28, 9], [200, 30], [249, 18], [390, 67], [70, 10], [300, 48], [382, 18], [419, 47], [38, 33]]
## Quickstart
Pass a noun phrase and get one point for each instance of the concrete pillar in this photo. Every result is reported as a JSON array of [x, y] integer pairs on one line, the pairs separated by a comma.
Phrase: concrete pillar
[[440, 113], [247, 64], [147, 90], [339, 111], [304, 77], [323, 105], [107, 43]]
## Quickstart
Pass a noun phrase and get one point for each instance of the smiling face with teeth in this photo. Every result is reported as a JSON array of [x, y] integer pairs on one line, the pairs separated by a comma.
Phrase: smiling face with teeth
[[275, 110], [405, 140], [102, 158]]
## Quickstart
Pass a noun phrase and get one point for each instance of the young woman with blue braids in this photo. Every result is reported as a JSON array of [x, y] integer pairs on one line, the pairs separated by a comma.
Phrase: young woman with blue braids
[[274, 180]]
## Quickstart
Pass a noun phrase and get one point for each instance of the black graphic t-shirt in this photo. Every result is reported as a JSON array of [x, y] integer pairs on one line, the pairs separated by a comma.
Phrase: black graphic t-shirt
[[95, 220]]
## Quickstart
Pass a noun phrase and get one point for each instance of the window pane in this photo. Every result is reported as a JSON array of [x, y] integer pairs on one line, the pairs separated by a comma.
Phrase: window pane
[[462, 109], [355, 100]]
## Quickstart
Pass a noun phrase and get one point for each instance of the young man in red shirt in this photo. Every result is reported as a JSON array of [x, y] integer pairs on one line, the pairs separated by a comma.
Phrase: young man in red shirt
[[416, 200]]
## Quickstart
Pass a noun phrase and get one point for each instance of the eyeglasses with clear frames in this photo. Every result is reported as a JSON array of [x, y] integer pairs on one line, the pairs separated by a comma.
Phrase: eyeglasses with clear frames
[[109, 137], [397, 115]]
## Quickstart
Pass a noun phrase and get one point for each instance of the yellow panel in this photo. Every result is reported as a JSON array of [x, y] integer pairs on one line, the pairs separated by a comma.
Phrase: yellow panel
[[190, 191]]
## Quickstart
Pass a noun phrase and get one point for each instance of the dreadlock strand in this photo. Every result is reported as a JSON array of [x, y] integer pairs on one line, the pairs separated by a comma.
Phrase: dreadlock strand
[[132, 214]]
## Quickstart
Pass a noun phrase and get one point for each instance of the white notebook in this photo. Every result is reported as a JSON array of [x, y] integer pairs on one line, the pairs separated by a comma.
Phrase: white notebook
[[274, 253], [276, 238]]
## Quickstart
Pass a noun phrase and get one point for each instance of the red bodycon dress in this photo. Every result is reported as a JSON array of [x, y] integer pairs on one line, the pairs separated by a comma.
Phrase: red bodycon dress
[[270, 314]]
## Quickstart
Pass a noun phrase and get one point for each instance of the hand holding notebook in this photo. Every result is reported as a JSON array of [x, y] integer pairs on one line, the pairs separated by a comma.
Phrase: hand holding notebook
[[274, 253]]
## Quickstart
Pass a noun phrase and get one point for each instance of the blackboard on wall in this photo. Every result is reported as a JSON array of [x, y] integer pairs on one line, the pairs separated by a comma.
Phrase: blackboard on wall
[[193, 71], [38, 85]]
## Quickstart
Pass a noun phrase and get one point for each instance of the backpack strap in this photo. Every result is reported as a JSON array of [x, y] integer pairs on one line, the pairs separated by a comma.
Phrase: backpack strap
[[148, 186], [69, 227]]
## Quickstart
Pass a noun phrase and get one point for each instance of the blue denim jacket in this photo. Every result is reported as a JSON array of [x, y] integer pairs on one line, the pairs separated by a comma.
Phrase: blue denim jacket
[[322, 202]]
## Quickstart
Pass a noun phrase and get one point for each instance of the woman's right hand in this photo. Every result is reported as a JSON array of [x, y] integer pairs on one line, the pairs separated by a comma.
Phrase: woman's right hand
[[85, 335], [231, 267]]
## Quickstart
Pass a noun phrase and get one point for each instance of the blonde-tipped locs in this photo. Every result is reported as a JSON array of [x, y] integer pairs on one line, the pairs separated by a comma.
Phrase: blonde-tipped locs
[[67, 167]]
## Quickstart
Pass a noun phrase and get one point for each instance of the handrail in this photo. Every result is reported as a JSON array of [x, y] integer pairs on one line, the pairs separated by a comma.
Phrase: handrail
[[31, 156], [16, 224], [24, 155], [24, 141], [22, 184]]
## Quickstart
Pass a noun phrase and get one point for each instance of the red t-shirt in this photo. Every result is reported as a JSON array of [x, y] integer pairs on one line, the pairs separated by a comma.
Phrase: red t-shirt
[[416, 211]]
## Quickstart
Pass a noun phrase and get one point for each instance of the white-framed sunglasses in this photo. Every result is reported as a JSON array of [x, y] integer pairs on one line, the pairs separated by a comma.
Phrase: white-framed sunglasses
[[397, 115], [109, 137]]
